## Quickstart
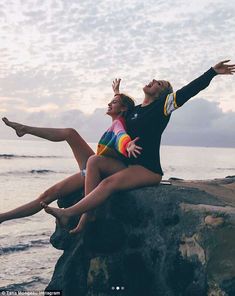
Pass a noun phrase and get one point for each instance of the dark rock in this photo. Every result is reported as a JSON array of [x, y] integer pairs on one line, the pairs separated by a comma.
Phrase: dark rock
[[146, 242], [229, 286]]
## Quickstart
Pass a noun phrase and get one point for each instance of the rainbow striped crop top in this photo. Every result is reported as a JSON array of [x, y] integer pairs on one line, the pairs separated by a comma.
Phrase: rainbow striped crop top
[[114, 141]]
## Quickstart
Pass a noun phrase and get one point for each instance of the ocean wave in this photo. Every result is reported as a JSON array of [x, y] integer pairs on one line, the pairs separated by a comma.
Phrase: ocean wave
[[10, 156], [33, 172], [23, 246], [42, 171]]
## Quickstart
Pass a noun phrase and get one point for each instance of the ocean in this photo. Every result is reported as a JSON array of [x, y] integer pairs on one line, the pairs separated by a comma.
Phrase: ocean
[[27, 168]]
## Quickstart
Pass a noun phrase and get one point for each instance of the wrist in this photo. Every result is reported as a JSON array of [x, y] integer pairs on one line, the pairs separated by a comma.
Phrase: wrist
[[213, 71], [214, 68]]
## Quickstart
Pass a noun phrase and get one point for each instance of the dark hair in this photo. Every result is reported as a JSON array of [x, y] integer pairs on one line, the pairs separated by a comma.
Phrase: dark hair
[[127, 102], [166, 91]]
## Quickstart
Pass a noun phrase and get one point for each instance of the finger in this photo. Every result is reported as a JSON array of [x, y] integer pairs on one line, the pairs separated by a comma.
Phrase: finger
[[136, 139], [225, 61], [133, 153], [138, 152], [138, 147]]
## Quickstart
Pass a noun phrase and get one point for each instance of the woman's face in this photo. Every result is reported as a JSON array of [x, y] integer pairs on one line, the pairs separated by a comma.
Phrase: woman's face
[[155, 87], [115, 107]]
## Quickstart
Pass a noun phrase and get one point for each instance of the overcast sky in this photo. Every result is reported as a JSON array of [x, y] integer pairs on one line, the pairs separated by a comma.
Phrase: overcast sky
[[58, 59]]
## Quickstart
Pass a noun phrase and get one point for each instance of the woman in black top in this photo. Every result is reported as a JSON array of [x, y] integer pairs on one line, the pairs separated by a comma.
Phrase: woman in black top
[[147, 122]]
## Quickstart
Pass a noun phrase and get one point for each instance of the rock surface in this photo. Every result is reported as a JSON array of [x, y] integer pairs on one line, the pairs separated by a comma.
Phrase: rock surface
[[168, 240]]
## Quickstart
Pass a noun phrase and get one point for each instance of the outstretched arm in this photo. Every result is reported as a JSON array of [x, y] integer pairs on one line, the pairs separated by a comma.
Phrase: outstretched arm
[[123, 143], [116, 140], [194, 87], [175, 100]]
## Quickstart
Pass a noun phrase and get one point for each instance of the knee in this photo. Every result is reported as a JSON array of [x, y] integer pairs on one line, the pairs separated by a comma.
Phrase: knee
[[93, 161], [70, 133]]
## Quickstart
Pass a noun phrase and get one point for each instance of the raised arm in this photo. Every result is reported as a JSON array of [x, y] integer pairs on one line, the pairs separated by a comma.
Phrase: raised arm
[[194, 87], [175, 100], [116, 85]]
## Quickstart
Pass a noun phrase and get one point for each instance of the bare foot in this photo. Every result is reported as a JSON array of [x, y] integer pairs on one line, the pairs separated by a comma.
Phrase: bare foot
[[60, 214], [19, 128], [85, 218]]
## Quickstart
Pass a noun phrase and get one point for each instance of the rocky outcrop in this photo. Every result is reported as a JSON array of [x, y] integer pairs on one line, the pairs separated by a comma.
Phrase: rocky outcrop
[[168, 240]]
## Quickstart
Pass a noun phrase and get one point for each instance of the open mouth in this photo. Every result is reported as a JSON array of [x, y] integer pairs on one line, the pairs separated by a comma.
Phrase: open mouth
[[150, 84]]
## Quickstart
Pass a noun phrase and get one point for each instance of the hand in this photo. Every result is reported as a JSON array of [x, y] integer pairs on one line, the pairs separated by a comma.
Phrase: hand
[[115, 85], [222, 68], [132, 148]]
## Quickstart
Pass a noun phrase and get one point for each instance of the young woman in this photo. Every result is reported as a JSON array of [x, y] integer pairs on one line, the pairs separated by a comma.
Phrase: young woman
[[115, 144], [147, 121]]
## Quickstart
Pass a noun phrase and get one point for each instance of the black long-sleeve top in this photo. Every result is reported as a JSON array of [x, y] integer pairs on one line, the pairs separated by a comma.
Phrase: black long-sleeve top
[[149, 122]]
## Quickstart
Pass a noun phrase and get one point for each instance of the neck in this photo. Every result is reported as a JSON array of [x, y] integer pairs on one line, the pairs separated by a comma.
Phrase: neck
[[114, 117], [147, 100]]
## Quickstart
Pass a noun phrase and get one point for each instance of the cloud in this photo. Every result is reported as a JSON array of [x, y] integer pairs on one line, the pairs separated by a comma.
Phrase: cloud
[[47, 108], [201, 123], [66, 53], [197, 123]]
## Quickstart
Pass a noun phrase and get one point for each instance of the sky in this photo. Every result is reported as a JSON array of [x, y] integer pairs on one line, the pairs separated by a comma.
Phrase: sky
[[58, 59]]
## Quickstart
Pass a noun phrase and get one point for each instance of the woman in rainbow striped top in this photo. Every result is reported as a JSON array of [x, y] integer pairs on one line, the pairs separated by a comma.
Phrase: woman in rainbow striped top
[[115, 143]]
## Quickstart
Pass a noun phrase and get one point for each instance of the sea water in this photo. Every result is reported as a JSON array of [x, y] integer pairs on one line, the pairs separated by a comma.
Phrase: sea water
[[27, 168]]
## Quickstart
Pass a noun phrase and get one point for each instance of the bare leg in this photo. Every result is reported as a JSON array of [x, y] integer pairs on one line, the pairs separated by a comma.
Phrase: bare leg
[[81, 150], [93, 178], [97, 167], [129, 178], [60, 189]]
